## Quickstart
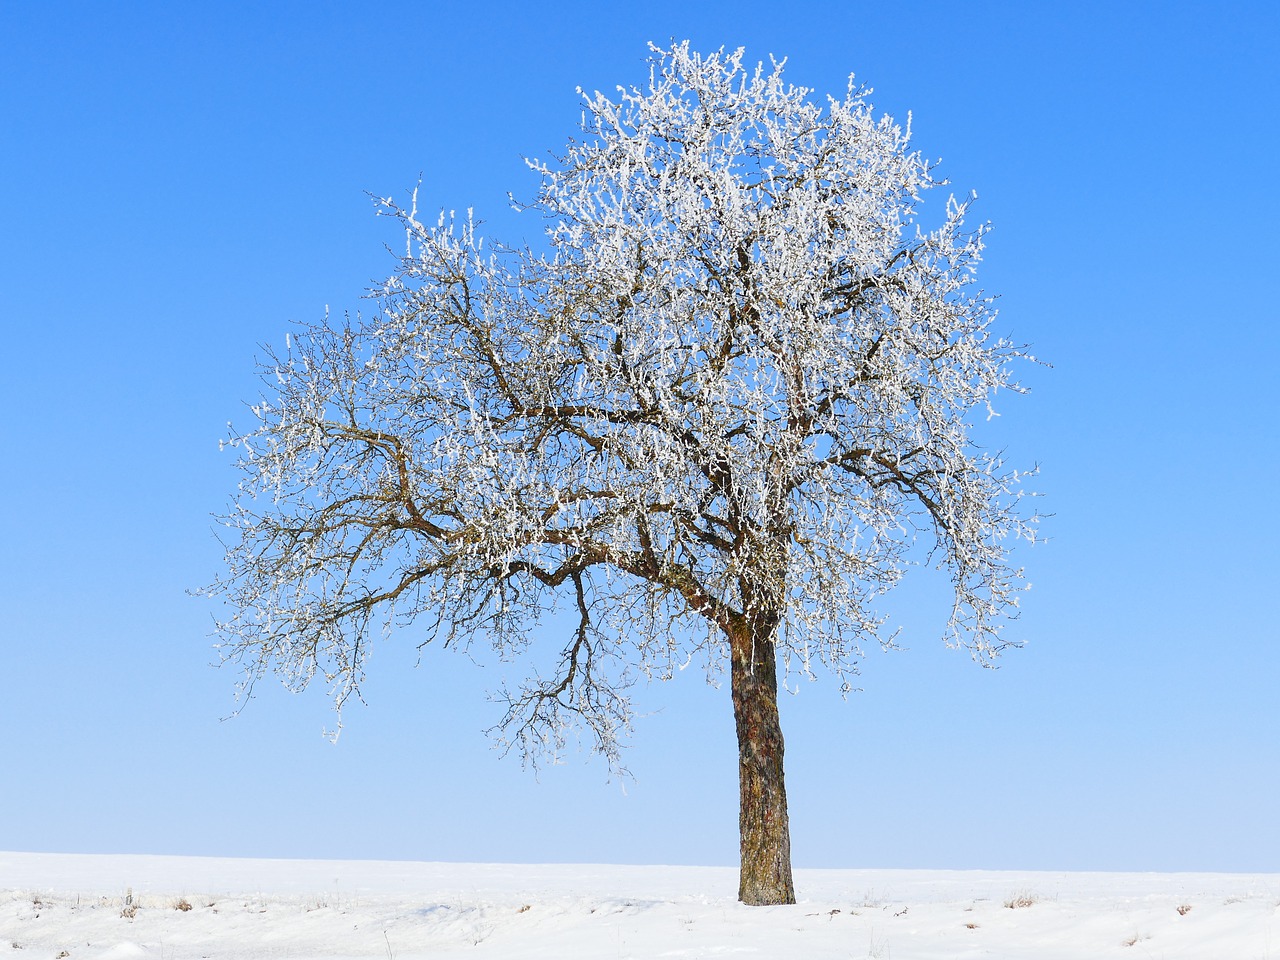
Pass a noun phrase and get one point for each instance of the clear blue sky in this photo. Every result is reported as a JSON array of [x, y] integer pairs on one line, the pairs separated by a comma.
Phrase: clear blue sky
[[179, 181]]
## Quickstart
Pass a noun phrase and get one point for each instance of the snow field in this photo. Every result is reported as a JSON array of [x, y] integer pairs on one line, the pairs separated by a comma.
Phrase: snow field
[[182, 908]]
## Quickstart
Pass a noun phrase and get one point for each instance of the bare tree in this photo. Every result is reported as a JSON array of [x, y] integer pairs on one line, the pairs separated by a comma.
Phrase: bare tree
[[712, 419]]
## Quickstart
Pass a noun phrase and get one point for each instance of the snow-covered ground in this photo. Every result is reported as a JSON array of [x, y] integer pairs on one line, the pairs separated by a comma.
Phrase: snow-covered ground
[[123, 907]]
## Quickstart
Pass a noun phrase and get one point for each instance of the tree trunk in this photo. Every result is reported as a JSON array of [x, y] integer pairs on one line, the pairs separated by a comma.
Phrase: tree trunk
[[765, 836]]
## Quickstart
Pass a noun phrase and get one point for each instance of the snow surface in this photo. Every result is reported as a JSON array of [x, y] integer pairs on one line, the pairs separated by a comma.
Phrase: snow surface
[[76, 906]]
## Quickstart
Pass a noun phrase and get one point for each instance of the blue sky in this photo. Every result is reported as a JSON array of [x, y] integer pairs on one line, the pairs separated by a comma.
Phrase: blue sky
[[178, 182]]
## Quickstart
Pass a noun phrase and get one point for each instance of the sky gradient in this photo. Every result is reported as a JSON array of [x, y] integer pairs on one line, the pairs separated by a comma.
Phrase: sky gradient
[[178, 183]]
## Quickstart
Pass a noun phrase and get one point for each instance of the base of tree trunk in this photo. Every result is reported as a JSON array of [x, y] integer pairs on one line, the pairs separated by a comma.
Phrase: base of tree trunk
[[774, 888]]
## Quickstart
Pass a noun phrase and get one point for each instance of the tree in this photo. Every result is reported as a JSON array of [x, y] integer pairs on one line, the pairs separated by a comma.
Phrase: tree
[[713, 418]]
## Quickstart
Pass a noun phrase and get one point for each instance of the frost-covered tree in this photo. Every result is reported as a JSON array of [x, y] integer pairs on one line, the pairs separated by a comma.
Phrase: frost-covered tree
[[712, 419]]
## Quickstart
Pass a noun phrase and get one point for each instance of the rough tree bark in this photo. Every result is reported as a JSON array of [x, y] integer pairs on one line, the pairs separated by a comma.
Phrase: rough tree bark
[[764, 830]]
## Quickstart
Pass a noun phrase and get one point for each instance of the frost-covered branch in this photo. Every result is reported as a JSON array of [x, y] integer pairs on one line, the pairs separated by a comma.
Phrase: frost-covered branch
[[735, 391]]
